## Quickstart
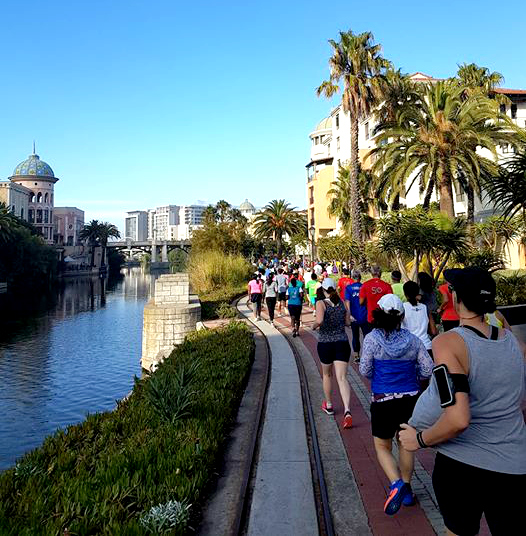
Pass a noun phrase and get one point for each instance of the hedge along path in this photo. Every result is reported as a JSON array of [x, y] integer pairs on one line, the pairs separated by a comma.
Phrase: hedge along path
[[100, 476]]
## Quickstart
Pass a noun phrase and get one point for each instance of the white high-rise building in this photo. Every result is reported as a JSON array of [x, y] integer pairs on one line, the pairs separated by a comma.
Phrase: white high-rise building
[[136, 225]]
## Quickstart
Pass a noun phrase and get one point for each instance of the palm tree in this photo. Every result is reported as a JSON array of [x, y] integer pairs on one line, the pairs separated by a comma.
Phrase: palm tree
[[106, 230], [339, 204], [508, 189], [476, 80], [223, 210], [90, 233], [439, 140], [277, 219], [356, 63], [8, 223]]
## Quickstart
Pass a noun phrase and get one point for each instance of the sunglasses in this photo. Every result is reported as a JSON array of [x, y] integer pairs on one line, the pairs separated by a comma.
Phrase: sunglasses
[[451, 288]]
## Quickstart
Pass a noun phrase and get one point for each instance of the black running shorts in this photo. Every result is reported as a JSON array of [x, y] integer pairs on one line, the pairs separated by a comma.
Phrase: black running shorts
[[334, 351], [282, 296], [387, 416], [465, 492]]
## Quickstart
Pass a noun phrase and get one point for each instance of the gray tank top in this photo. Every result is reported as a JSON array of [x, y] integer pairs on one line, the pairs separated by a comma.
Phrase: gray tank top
[[333, 327], [496, 436]]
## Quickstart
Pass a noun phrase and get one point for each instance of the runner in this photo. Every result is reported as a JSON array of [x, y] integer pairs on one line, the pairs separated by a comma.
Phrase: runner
[[310, 287], [283, 282], [427, 293], [295, 297], [255, 293], [480, 435], [396, 285], [372, 291], [395, 360], [343, 282], [450, 318], [358, 313], [417, 319], [271, 292], [333, 346]]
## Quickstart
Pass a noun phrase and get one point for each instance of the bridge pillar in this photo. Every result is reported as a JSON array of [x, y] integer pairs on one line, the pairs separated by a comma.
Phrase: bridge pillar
[[164, 252], [154, 251], [168, 317]]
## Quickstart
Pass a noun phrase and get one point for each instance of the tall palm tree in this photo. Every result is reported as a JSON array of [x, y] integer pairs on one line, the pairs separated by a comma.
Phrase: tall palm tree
[[277, 219], [106, 231], [440, 140], [477, 80], [90, 233], [223, 210], [356, 63]]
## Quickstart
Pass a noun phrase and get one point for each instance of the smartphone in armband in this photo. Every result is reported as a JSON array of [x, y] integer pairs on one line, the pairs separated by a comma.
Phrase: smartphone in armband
[[446, 389]]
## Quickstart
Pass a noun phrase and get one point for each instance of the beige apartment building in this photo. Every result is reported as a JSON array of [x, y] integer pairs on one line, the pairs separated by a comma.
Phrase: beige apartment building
[[331, 146]]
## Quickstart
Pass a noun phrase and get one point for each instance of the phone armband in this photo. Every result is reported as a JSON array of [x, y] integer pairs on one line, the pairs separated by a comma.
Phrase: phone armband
[[449, 384]]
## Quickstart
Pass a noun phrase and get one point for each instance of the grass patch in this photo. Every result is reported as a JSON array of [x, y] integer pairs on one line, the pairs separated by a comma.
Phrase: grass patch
[[213, 304], [145, 466]]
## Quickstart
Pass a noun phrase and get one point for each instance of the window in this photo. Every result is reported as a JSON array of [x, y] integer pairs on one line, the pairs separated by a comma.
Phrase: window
[[338, 143], [46, 197], [39, 215], [366, 131], [31, 216], [502, 108], [22, 213], [505, 148], [459, 192], [46, 216], [513, 110], [337, 120], [39, 197], [32, 198], [311, 195]]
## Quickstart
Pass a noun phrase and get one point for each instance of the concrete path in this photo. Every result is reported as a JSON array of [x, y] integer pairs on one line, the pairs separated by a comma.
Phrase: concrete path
[[283, 496]]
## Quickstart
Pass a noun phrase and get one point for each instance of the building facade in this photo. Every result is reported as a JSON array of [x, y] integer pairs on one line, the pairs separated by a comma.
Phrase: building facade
[[136, 225], [68, 222], [331, 147], [37, 176], [16, 198]]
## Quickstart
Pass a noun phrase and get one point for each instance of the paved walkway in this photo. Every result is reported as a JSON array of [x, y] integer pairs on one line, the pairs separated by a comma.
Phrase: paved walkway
[[283, 496]]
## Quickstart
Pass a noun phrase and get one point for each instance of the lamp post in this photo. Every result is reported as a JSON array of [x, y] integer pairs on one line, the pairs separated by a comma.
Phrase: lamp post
[[312, 234]]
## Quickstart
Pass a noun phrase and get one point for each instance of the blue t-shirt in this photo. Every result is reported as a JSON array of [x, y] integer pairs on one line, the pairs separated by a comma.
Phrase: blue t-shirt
[[352, 294], [294, 294]]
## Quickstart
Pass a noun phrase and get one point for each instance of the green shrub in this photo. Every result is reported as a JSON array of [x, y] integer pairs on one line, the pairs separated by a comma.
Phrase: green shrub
[[215, 271], [511, 289], [225, 310], [104, 475]]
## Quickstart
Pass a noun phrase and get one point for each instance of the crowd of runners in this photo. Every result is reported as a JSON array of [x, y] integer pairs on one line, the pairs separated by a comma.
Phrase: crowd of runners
[[445, 371]]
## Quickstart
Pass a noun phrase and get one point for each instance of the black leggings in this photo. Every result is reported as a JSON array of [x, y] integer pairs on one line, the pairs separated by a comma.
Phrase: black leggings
[[271, 306], [295, 315], [256, 302]]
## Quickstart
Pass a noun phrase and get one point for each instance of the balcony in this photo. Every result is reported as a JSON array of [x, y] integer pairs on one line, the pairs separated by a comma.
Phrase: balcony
[[319, 152]]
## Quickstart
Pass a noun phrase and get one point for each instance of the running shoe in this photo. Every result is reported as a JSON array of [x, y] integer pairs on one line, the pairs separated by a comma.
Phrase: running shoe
[[409, 498], [294, 333], [398, 491], [327, 409], [347, 420]]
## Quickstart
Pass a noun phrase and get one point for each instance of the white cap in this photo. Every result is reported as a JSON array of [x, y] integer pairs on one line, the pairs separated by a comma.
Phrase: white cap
[[389, 302], [328, 283]]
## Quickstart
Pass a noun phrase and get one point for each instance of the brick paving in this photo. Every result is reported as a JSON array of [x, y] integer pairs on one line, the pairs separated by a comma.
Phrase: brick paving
[[422, 519]]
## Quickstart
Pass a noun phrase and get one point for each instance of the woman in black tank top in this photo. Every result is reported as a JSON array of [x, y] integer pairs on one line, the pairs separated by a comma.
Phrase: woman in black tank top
[[334, 350]]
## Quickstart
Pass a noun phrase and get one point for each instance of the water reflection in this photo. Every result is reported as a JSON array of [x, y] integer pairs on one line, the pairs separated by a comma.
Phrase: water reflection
[[79, 355]]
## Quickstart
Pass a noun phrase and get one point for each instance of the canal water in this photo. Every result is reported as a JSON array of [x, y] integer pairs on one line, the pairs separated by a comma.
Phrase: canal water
[[78, 354]]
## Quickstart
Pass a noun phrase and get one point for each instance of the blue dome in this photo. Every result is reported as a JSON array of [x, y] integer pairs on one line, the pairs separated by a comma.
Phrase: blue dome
[[34, 166]]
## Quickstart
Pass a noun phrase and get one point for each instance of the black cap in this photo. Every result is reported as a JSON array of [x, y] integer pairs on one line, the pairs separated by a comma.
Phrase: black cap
[[474, 287]]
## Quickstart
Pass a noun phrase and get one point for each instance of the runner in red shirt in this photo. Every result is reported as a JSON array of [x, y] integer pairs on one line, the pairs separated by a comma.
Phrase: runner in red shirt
[[372, 291], [344, 282], [450, 318]]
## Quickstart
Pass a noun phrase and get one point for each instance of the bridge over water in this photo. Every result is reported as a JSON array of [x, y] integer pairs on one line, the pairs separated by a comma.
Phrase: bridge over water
[[158, 249]]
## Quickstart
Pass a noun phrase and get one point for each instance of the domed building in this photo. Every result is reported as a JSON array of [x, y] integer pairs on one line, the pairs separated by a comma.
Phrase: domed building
[[247, 209], [37, 176]]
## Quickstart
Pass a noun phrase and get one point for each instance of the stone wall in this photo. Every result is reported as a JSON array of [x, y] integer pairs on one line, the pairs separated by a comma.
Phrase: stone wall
[[168, 317]]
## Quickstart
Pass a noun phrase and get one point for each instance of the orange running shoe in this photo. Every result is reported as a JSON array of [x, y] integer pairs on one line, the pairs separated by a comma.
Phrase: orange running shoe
[[347, 419]]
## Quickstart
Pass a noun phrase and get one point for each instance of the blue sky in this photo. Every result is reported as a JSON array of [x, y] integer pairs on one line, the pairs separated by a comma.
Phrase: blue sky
[[137, 104]]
